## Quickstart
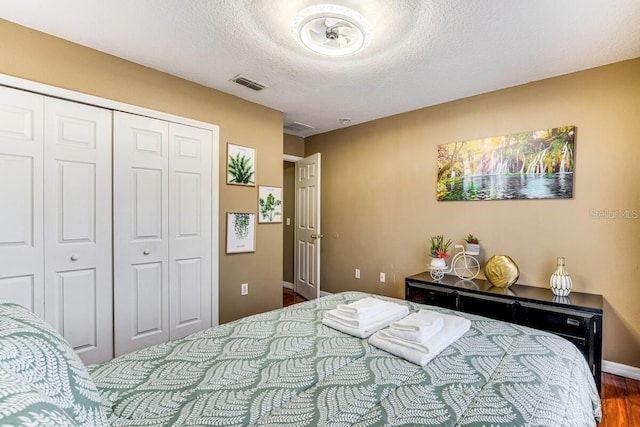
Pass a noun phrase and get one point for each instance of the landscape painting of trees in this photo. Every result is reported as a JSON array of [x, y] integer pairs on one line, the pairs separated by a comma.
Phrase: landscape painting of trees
[[529, 165]]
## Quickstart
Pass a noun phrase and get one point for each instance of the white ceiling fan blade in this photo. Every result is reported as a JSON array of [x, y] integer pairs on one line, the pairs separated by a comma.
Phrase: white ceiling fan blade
[[318, 26], [317, 37], [333, 43], [340, 23], [349, 31], [344, 41], [330, 22]]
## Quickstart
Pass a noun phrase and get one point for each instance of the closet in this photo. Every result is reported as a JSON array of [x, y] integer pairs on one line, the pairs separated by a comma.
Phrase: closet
[[162, 229], [100, 206], [55, 219]]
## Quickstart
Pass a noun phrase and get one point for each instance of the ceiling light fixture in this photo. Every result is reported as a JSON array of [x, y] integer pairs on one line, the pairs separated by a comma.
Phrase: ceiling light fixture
[[331, 30]]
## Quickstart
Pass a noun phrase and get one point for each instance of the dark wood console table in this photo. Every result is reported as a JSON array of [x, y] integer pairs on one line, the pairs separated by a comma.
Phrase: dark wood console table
[[578, 317]]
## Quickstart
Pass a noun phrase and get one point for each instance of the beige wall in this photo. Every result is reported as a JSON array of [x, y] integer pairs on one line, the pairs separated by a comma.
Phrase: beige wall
[[293, 145], [35, 56], [379, 206]]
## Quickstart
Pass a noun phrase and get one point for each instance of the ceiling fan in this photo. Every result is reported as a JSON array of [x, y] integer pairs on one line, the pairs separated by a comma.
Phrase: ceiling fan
[[331, 30]]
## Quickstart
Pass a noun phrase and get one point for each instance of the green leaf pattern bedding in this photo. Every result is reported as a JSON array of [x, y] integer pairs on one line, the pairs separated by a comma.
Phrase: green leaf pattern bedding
[[284, 368]]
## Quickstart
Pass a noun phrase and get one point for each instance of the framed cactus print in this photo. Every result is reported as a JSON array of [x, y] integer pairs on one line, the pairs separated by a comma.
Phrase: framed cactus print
[[241, 165], [528, 165], [241, 232]]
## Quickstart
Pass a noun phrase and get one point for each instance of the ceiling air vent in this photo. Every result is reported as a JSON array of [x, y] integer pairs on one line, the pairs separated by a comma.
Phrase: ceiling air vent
[[298, 127], [251, 84]]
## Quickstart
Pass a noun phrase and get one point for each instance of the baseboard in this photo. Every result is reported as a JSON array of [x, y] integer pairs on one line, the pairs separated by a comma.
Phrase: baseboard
[[620, 369], [287, 285]]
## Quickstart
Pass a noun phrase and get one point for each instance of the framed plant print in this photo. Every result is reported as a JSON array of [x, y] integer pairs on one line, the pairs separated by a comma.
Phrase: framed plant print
[[528, 165], [241, 165], [241, 232], [269, 204]]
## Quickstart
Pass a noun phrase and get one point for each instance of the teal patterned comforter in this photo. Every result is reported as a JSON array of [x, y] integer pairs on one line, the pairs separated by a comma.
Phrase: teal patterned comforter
[[284, 368]]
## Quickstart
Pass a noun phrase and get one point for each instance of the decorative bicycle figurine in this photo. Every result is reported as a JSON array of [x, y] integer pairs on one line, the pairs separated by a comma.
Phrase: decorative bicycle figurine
[[463, 264]]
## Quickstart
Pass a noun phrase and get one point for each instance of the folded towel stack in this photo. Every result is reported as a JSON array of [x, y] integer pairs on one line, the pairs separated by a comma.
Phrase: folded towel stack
[[417, 327], [420, 336], [364, 317]]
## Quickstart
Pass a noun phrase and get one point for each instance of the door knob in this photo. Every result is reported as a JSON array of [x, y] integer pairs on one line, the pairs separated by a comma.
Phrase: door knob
[[146, 251], [317, 236], [74, 257]]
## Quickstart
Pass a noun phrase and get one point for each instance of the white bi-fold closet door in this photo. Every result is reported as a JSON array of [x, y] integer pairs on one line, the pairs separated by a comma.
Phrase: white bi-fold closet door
[[55, 218], [162, 231]]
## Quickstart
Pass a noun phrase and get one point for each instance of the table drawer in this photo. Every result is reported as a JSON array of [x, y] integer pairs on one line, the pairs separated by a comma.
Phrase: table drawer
[[424, 294], [494, 308], [564, 322]]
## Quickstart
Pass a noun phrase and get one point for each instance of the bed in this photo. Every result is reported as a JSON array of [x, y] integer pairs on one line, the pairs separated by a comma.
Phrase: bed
[[285, 368]]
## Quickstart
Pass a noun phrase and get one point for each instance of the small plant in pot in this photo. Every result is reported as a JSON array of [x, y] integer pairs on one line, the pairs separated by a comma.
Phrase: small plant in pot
[[473, 245], [438, 251]]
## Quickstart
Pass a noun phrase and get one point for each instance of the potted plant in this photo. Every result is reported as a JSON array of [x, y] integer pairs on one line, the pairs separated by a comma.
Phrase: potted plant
[[438, 251], [473, 245]]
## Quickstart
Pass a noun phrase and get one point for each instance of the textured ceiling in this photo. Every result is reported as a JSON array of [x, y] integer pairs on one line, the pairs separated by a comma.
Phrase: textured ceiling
[[423, 52]]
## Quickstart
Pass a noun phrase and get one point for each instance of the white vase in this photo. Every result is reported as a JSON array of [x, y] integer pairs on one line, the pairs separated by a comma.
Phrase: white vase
[[438, 263], [560, 281]]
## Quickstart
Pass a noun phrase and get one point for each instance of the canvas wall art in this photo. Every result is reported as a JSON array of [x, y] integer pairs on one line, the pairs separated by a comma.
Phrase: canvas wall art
[[269, 204], [529, 165], [241, 165], [241, 232]]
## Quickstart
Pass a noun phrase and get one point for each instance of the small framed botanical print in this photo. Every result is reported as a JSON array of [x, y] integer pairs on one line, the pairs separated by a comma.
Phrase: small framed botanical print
[[269, 204], [241, 232], [241, 165]]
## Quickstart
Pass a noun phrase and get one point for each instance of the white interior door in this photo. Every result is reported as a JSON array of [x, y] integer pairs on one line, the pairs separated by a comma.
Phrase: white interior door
[[21, 198], [141, 232], [189, 230], [77, 224], [308, 234]]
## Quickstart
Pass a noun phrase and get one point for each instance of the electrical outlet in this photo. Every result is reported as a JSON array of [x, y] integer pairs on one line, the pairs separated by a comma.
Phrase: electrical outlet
[[357, 273], [244, 289], [382, 277]]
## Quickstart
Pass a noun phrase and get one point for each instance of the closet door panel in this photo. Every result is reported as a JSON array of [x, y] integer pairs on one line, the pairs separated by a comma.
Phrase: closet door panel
[[147, 300], [190, 229], [77, 310], [78, 248], [21, 290], [21, 193], [141, 236]]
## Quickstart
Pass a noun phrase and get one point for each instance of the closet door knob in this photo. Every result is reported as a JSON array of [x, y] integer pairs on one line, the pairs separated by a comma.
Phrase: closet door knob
[[146, 251], [74, 257]]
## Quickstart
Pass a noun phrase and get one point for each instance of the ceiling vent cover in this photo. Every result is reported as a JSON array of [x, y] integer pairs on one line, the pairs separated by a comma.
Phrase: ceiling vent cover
[[251, 84], [298, 127]]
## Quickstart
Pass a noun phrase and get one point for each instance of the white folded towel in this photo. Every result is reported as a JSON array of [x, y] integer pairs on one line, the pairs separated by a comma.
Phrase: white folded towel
[[362, 308], [453, 328], [362, 312], [417, 327], [363, 328]]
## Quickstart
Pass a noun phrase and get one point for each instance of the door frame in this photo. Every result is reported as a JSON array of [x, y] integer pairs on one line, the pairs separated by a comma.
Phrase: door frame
[[71, 95], [310, 234], [293, 159]]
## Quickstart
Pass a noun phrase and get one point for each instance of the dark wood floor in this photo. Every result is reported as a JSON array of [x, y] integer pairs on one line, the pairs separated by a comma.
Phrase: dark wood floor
[[289, 297], [620, 395], [620, 401]]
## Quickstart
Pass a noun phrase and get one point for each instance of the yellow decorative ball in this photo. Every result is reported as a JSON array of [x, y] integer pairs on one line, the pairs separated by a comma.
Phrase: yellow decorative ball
[[501, 271]]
